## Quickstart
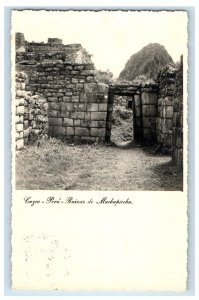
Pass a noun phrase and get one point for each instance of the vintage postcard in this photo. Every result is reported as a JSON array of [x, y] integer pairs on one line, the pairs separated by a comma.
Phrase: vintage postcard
[[99, 150]]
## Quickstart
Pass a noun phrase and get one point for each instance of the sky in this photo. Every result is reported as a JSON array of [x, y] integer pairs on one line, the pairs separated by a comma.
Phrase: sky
[[111, 37]]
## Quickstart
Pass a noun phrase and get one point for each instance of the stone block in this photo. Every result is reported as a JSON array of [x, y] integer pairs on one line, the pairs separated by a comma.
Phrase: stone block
[[149, 98], [77, 123], [19, 127], [87, 72], [74, 80], [59, 131], [89, 67], [80, 107], [62, 106], [168, 101], [20, 110], [92, 98], [92, 107], [79, 86], [97, 132], [19, 144], [149, 122], [167, 141], [63, 114], [80, 131], [75, 99], [52, 99], [168, 123], [68, 122], [75, 72], [22, 118], [101, 124], [83, 97], [21, 93], [69, 106], [137, 100], [53, 106], [164, 129], [52, 113], [149, 110], [79, 67], [100, 116], [103, 106], [82, 80], [66, 99], [90, 79], [55, 121], [68, 93], [158, 123], [21, 101], [87, 115], [168, 112], [94, 124], [85, 123], [68, 67], [70, 130], [77, 115]]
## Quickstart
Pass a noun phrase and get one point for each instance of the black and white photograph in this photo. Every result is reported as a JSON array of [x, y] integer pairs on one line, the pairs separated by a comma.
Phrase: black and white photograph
[[99, 150], [100, 101]]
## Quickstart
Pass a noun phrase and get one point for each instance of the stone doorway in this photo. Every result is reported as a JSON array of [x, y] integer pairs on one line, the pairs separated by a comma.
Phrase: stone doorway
[[124, 101], [143, 99]]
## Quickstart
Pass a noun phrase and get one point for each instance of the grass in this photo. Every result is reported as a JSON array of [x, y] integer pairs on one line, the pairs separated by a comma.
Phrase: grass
[[55, 165]]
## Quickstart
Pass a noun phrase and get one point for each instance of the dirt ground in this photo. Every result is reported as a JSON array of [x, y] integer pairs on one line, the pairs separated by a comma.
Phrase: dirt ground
[[55, 165]]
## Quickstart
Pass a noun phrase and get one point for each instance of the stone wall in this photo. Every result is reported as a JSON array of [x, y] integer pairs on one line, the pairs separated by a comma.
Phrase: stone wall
[[177, 133], [57, 94], [149, 112], [30, 53], [144, 105], [77, 104], [164, 120], [31, 113], [19, 108]]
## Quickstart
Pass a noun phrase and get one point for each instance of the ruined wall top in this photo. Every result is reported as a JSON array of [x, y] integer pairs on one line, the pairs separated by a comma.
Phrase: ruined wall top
[[30, 53], [54, 41]]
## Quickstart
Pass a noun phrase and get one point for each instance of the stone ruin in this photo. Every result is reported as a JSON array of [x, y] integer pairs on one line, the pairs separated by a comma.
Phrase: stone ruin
[[58, 95]]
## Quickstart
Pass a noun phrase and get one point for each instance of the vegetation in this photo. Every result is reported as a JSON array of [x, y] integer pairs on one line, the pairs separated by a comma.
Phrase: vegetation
[[55, 165], [104, 76]]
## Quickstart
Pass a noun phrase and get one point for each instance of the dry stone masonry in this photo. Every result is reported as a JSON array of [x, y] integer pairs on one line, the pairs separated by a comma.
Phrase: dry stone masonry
[[144, 99], [164, 120], [57, 95], [31, 114], [177, 133]]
